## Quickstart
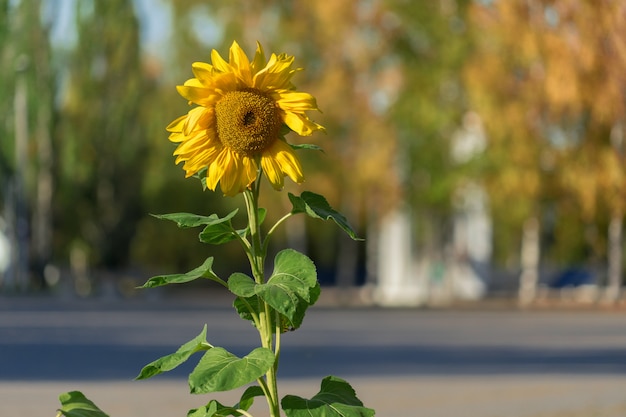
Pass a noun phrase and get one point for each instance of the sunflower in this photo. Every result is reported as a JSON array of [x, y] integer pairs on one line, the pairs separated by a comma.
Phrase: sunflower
[[239, 123]]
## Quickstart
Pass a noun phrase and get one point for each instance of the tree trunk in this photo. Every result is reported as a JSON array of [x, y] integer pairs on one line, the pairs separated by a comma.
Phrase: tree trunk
[[614, 278], [529, 261]]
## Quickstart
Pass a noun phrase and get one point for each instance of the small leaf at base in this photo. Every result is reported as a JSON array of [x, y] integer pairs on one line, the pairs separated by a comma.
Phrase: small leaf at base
[[75, 404], [335, 399]]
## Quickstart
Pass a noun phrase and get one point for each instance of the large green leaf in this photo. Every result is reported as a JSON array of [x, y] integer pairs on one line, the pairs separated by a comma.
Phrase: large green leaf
[[203, 271], [290, 290], [173, 360], [220, 370], [335, 399], [75, 404], [293, 271], [316, 206]]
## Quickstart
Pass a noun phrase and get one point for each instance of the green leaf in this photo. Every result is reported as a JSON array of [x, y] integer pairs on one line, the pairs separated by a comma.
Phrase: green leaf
[[335, 399], [219, 231], [217, 234], [220, 370], [187, 220], [214, 409], [203, 271], [290, 290], [244, 304], [292, 286], [316, 206], [295, 271], [173, 360], [75, 404], [247, 398], [241, 285]]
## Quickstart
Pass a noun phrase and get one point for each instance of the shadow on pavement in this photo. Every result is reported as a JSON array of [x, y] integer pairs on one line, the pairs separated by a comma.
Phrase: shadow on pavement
[[90, 362]]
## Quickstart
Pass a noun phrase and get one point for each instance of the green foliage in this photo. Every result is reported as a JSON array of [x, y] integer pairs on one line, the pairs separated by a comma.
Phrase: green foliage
[[185, 220], [220, 370], [336, 398], [274, 305], [217, 230], [316, 206], [290, 290], [215, 409], [203, 271], [172, 361], [75, 404]]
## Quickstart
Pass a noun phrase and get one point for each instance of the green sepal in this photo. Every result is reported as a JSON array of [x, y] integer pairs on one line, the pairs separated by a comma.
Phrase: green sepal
[[75, 404], [316, 206], [220, 370], [173, 360], [203, 271], [290, 290], [306, 146], [336, 398], [201, 175]]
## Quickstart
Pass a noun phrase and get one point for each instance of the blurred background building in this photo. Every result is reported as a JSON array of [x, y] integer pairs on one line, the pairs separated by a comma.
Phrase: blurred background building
[[477, 145]]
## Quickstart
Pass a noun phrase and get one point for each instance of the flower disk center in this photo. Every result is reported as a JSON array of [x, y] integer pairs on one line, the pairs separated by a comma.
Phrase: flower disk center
[[247, 121]]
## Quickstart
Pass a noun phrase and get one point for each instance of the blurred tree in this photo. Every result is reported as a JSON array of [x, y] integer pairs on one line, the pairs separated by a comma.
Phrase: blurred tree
[[27, 89], [6, 91], [550, 85], [100, 137], [432, 43]]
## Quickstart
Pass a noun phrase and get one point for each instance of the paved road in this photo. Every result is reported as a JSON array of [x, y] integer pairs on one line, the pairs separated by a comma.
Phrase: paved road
[[402, 362]]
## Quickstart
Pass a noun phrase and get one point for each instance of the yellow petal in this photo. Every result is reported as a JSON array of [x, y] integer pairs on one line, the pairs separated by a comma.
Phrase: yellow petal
[[276, 74], [287, 160], [177, 124], [240, 63], [219, 63], [230, 182], [249, 171], [259, 58], [272, 170], [216, 169], [300, 123], [197, 118], [199, 95], [295, 101], [176, 137], [193, 143], [203, 72]]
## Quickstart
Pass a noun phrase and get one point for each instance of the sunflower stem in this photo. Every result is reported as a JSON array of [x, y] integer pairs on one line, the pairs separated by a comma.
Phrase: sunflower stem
[[256, 254]]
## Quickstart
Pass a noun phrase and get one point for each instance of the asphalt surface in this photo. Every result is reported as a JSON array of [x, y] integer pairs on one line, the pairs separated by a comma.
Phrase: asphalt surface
[[401, 362]]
